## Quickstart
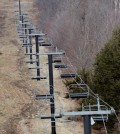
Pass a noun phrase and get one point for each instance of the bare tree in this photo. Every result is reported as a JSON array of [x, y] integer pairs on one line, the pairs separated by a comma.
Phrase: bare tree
[[81, 27]]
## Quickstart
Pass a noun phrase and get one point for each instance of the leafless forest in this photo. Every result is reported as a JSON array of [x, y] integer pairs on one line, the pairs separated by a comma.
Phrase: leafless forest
[[80, 27]]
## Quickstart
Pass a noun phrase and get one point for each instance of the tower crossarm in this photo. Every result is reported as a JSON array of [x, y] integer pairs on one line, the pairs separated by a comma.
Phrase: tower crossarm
[[82, 113]]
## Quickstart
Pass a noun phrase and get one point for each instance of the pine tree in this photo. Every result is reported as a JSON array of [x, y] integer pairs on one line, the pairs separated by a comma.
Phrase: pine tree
[[107, 71]]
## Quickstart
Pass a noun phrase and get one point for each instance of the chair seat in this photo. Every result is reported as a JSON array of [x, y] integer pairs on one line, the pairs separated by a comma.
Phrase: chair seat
[[78, 95], [39, 77], [46, 96], [70, 75], [60, 66]]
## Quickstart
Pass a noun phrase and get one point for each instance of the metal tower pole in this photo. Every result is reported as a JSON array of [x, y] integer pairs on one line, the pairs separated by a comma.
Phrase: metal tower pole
[[87, 124], [37, 56], [30, 43], [20, 9], [22, 19], [53, 125], [26, 38]]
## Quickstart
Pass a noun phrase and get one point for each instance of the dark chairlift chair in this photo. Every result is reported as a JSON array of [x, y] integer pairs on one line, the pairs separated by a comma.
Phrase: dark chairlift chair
[[57, 60], [102, 118], [45, 44], [60, 66], [97, 107], [39, 77], [68, 75], [83, 94], [78, 95], [46, 96], [32, 61]]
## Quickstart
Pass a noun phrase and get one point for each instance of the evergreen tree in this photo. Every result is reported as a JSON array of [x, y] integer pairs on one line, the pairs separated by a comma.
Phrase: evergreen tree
[[107, 71]]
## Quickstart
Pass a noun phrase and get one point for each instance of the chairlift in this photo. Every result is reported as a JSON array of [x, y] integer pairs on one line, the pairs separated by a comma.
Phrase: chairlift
[[35, 34], [20, 32], [41, 41], [83, 94], [30, 54], [68, 75], [22, 14], [46, 96], [100, 118], [99, 108], [57, 60], [32, 61], [45, 44], [39, 77], [78, 95], [60, 66], [27, 45], [21, 36], [24, 39], [77, 85], [37, 67]]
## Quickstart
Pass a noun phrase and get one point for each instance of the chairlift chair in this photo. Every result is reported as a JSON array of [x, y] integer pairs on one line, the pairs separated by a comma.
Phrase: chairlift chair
[[100, 118], [68, 75], [39, 77], [32, 61], [41, 41], [78, 95], [37, 67], [57, 60], [78, 85], [60, 66], [45, 44], [27, 45], [83, 94], [46, 96], [99, 108]]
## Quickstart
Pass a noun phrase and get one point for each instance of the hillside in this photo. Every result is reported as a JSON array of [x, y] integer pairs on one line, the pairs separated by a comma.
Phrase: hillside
[[19, 112], [78, 27]]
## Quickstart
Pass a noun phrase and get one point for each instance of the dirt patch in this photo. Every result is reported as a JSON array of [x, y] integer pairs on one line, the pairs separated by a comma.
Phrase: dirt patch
[[14, 90], [10, 127], [1, 53], [20, 84]]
